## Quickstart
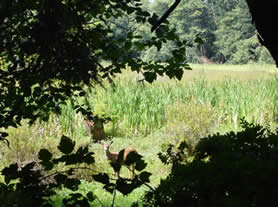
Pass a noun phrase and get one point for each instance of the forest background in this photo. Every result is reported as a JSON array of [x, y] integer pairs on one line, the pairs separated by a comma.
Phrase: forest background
[[224, 26]]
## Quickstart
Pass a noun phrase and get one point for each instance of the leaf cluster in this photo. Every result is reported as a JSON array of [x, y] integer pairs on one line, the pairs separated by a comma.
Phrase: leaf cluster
[[52, 48], [124, 185], [34, 183]]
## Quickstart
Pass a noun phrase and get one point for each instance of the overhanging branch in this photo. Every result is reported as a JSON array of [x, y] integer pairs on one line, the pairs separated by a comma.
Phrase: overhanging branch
[[165, 15]]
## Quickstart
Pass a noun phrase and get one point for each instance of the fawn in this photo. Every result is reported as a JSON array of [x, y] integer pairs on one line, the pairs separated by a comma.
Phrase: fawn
[[113, 157]]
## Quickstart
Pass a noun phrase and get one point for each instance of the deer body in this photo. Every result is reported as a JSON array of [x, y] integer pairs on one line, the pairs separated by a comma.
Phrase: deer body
[[113, 157], [95, 129]]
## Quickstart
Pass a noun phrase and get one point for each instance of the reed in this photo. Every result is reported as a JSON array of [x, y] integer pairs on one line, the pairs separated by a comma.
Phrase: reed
[[140, 109]]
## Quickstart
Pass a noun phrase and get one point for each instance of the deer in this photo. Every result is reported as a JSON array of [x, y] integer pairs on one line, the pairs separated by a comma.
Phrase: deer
[[95, 128], [114, 156]]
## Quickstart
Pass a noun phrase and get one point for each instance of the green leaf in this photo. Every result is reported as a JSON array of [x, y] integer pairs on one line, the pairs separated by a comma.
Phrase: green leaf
[[124, 187], [199, 40], [179, 74], [145, 177], [102, 178], [116, 166], [10, 173], [137, 36], [66, 145], [170, 73], [158, 45], [89, 159], [150, 76], [139, 45], [82, 93], [60, 178], [82, 151], [47, 165], [132, 157], [91, 196], [171, 36], [109, 187], [72, 183], [45, 155], [140, 165], [76, 199], [71, 159], [4, 134], [128, 45]]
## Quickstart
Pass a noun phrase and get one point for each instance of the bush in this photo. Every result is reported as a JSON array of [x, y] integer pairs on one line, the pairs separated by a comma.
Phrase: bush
[[235, 169], [190, 122], [264, 56]]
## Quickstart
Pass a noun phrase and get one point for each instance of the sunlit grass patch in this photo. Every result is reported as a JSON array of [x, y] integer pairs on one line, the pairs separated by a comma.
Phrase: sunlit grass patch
[[228, 67], [215, 72]]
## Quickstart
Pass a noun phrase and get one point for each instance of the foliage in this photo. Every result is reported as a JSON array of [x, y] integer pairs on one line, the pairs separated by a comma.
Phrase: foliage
[[247, 51], [51, 48], [189, 122], [236, 22], [32, 184], [224, 26], [264, 55], [184, 114], [234, 169]]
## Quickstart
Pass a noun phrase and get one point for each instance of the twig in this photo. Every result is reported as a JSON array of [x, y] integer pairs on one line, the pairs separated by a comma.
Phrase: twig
[[100, 201], [165, 15], [150, 187], [114, 196], [76, 168]]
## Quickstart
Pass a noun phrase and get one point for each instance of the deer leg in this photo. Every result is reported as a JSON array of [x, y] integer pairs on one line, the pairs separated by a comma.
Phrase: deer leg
[[131, 171], [118, 174]]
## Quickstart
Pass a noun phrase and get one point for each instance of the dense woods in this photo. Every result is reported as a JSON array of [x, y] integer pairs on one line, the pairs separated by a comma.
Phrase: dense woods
[[224, 26]]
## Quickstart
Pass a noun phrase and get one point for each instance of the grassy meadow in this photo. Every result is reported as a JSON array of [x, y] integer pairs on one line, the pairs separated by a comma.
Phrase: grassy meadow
[[209, 99]]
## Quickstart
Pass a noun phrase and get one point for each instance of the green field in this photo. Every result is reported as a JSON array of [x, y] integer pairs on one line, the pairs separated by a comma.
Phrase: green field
[[209, 99]]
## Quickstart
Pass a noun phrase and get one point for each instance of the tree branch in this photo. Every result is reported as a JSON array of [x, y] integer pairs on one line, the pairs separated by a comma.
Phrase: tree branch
[[165, 15]]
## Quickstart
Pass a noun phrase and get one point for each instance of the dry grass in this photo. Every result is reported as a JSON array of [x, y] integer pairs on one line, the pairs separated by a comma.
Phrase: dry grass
[[213, 72]]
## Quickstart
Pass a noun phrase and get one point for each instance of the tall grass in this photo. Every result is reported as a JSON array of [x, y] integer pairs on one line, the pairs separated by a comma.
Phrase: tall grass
[[137, 108], [133, 107]]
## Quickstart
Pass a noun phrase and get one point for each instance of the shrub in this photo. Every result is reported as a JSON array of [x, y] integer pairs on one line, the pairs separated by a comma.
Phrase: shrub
[[235, 169], [190, 122]]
